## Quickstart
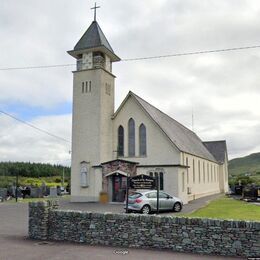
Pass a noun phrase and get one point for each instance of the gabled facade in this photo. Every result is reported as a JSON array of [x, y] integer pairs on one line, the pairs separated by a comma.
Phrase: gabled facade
[[138, 138]]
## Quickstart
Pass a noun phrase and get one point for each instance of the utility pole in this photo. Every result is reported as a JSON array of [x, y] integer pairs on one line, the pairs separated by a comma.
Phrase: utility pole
[[63, 177], [16, 188], [127, 192], [158, 190]]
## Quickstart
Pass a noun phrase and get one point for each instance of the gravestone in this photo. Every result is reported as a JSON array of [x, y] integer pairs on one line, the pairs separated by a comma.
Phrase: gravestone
[[36, 193], [3, 193], [44, 189], [47, 193], [53, 192]]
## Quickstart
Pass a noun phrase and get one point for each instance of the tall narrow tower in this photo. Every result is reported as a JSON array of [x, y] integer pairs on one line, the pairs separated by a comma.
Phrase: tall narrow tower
[[93, 107]]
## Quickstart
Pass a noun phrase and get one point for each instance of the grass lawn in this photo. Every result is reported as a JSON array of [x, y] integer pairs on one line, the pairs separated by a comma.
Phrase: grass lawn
[[228, 208]]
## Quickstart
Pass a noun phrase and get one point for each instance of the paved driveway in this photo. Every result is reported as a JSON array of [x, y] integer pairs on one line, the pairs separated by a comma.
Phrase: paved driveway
[[118, 207], [14, 244]]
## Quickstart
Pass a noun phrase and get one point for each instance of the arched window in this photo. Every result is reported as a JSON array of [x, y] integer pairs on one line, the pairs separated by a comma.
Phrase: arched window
[[120, 141], [131, 137], [142, 140]]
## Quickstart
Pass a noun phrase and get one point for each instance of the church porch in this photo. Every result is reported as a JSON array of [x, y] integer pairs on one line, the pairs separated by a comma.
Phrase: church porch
[[114, 178]]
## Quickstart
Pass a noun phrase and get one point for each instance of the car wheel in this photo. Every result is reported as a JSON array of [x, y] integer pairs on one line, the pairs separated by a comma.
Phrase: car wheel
[[146, 209], [177, 207]]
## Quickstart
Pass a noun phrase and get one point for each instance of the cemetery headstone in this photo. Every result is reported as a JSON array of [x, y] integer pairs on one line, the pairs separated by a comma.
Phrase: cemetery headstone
[[53, 192]]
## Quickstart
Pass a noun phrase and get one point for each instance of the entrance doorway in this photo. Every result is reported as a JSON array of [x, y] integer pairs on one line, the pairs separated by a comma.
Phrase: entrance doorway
[[118, 187]]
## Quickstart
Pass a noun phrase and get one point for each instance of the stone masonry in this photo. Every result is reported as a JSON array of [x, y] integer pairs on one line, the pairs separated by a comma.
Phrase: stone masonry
[[203, 236], [117, 165]]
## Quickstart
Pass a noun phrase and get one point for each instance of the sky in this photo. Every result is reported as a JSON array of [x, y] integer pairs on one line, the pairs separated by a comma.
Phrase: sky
[[221, 90]]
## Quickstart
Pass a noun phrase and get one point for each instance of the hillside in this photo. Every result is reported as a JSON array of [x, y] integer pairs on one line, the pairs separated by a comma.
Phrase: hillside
[[27, 169], [247, 164]]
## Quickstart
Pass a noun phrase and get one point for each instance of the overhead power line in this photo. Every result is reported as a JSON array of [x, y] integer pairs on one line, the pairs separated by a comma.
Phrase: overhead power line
[[139, 58], [35, 127], [193, 53], [38, 67]]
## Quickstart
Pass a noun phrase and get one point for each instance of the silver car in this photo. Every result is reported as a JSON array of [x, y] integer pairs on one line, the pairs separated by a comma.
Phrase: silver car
[[146, 202]]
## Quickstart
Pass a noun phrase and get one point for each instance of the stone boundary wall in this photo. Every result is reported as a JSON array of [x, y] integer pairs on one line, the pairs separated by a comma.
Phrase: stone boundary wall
[[204, 236]]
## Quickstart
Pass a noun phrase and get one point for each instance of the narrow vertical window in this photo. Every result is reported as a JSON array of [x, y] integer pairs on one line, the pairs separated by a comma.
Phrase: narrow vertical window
[[131, 137], [204, 172], [211, 174], [208, 172], [142, 140], [120, 141], [193, 171], [199, 169], [187, 164], [86, 87], [183, 180], [89, 88], [82, 87], [108, 89]]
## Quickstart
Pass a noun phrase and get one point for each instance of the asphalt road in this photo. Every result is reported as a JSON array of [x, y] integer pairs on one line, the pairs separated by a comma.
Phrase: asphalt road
[[14, 244]]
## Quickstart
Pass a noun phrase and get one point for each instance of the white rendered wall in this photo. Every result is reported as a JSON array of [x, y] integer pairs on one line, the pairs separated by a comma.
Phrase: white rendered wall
[[159, 148], [170, 177], [91, 130], [223, 171], [182, 185], [108, 64], [201, 187]]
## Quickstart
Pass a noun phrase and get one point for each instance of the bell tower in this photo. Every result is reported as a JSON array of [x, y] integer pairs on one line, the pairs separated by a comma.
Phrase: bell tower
[[93, 107]]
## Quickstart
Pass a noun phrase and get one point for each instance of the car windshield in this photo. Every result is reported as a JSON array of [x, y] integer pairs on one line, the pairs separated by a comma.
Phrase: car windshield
[[135, 195]]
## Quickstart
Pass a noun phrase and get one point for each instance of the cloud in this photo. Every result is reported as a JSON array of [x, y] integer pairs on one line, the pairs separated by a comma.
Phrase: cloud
[[19, 142], [221, 88]]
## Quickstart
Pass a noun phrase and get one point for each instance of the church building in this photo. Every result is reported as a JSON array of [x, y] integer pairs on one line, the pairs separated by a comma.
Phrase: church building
[[137, 138]]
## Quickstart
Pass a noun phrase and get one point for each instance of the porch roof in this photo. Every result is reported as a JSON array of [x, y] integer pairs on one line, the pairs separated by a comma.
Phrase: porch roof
[[115, 172], [120, 161]]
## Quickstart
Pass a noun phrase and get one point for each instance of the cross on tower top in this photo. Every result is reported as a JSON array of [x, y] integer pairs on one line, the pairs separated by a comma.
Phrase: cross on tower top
[[95, 10]]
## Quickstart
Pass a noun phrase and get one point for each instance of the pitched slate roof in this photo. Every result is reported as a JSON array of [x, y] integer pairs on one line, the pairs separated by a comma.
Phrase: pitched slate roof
[[183, 138], [93, 37], [218, 149]]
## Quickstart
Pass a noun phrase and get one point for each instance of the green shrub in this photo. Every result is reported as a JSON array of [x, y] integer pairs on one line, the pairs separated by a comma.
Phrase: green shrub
[[57, 180]]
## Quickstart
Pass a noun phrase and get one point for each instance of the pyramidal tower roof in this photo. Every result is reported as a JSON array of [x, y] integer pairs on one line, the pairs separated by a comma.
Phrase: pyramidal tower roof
[[93, 37], [94, 40]]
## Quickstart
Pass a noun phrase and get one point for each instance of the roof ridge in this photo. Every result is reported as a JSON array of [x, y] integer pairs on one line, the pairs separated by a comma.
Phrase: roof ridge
[[83, 35], [214, 141], [164, 113], [100, 31], [185, 140]]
